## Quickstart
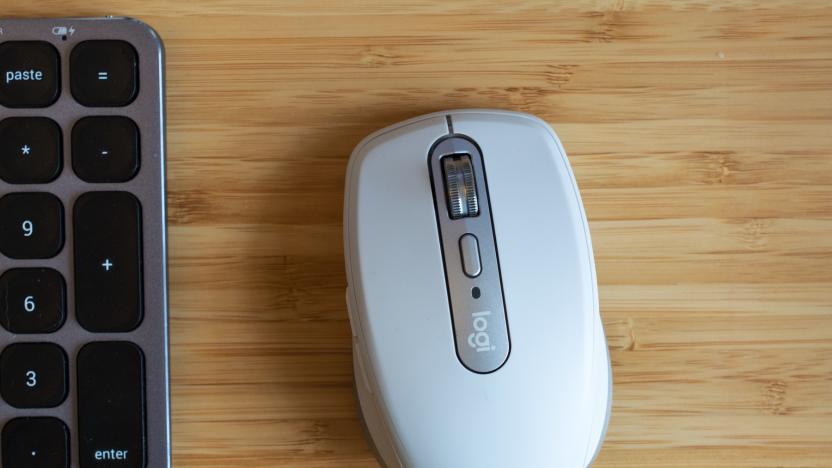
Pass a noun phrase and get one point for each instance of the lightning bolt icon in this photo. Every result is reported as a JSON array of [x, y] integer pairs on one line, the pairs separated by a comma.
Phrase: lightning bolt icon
[[71, 30]]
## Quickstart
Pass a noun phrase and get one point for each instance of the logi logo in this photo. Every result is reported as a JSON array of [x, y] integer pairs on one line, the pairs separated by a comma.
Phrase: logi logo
[[480, 340]]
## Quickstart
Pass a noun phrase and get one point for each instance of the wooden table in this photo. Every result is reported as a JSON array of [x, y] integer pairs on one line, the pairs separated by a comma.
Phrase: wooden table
[[700, 136]]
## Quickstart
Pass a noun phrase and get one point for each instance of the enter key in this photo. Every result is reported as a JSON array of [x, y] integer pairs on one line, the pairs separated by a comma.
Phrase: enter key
[[111, 414]]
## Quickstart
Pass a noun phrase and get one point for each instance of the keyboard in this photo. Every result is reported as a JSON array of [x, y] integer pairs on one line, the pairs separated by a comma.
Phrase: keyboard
[[83, 275]]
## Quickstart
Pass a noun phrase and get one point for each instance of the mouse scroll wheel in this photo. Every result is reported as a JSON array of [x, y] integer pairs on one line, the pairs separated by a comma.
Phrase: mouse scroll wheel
[[460, 186]]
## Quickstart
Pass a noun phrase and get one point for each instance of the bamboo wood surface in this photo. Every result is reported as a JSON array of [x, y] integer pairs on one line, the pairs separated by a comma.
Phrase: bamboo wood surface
[[701, 138]]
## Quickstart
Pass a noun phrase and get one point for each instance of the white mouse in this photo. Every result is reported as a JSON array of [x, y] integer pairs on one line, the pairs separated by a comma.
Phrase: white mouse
[[473, 301]]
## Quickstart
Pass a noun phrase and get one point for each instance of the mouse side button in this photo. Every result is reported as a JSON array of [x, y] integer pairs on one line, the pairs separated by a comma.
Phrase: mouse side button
[[359, 367], [351, 313]]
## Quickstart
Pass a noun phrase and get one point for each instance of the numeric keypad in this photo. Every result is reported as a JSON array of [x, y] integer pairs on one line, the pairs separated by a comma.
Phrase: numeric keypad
[[83, 263]]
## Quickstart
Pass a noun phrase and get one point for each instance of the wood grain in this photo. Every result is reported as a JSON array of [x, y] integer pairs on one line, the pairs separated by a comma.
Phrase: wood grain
[[700, 135]]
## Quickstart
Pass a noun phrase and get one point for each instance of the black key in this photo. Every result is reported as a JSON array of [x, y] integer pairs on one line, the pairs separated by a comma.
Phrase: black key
[[105, 149], [108, 261], [30, 74], [33, 375], [104, 73], [35, 443], [31, 225], [30, 150], [32, 300], [111, 415]]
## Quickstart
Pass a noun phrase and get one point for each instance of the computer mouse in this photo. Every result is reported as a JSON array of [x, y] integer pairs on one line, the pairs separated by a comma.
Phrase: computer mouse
[[472, 296]]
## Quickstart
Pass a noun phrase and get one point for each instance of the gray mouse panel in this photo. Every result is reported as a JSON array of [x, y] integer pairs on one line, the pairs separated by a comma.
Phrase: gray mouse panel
[[147, 186], [472, 267]]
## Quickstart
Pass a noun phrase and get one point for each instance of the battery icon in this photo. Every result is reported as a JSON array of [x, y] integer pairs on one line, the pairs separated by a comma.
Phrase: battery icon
[[63, 31]]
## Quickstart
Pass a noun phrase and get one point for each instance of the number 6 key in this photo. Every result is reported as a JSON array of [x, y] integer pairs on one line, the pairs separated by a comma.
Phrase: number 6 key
[[34, 300]]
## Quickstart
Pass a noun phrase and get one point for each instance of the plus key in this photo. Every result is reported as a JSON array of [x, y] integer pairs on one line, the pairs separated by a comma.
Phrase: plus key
[[108, 261]]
